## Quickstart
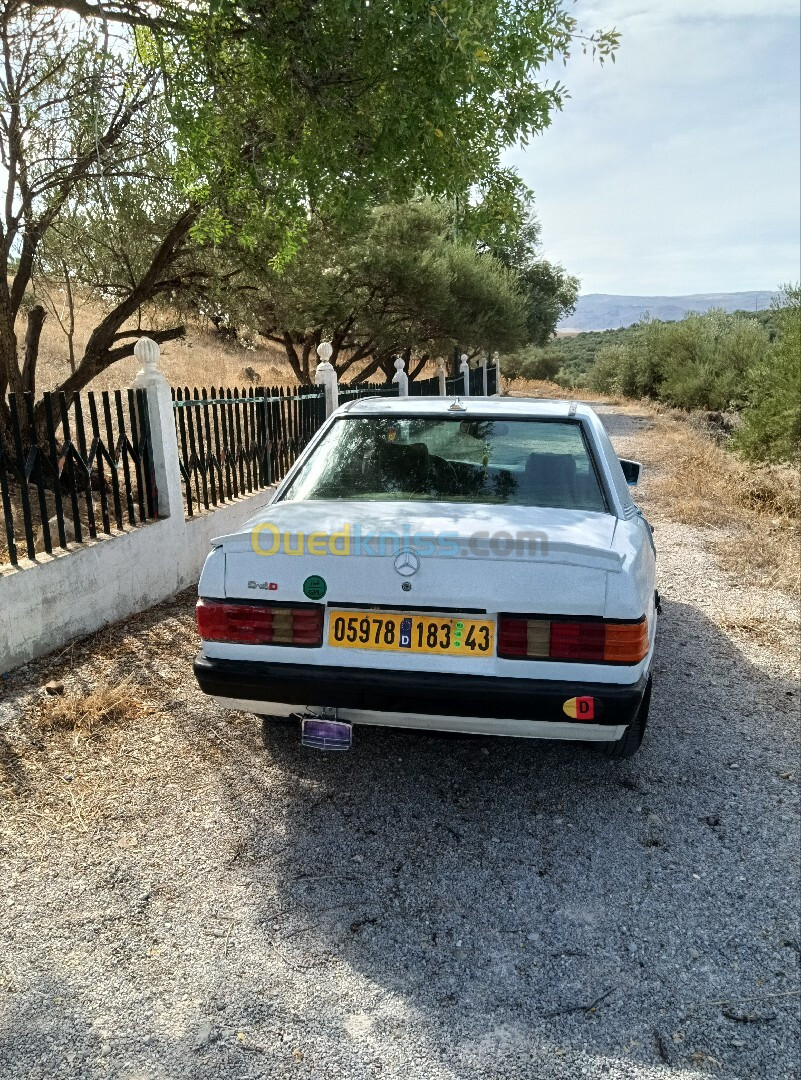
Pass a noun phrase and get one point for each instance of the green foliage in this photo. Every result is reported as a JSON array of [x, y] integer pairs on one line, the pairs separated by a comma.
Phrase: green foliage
[[334, 105], [771, 428], [216, 139], [531, 363], [498, 217], [551, 293], [702, 362], [503, 224], [606, 375], [749, 361], [577, 353], [393, 281], [698, 362]]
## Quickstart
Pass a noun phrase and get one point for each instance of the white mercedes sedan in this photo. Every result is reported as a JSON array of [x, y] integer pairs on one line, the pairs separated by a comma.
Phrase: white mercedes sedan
[[473, 566]]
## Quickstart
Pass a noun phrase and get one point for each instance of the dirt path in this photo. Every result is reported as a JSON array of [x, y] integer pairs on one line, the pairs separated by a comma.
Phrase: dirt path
[[179, 902]]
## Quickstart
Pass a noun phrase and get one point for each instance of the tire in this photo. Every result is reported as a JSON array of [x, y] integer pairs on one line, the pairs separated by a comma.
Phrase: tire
[[630, 741]]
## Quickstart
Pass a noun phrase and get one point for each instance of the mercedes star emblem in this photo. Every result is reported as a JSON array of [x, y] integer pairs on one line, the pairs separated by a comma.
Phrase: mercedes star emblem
[[407, 563]]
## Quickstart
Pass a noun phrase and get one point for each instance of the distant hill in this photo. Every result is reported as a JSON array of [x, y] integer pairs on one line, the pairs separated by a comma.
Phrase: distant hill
[[605, 311]]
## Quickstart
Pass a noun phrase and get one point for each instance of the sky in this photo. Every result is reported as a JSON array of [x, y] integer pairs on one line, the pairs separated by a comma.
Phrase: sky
[[676, 169]]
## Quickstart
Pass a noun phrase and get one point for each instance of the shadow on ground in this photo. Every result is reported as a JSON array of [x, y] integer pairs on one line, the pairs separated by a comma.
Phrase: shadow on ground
[[422, 906], [542, 892]]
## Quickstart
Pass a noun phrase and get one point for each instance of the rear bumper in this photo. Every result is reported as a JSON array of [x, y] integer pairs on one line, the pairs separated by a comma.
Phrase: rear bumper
[[418, 692]]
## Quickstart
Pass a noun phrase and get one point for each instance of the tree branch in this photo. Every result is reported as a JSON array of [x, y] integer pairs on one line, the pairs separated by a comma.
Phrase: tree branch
[[33, 333]]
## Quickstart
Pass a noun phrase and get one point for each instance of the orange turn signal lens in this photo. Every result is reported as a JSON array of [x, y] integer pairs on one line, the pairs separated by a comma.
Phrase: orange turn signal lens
[[626, 643], [524, 637]]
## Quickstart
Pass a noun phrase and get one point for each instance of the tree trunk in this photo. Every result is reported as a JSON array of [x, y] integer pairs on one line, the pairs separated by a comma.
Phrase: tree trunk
[[360, 353], [10, 374], [33, 334], [418, 367], [384, 361], [309, 345], [387, 365], [292, 356]]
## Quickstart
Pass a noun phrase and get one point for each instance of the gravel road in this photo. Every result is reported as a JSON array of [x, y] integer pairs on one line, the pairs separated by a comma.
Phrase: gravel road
[[178, 901]]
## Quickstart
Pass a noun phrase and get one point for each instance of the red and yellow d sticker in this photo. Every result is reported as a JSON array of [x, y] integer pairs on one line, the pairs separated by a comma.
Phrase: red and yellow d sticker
[[580, 708]]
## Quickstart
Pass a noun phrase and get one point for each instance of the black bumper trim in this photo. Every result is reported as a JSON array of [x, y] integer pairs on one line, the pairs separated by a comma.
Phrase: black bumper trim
[[426, 692]]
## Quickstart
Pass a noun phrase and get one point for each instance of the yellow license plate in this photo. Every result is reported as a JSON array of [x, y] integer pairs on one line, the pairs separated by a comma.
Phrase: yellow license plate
[[430, 634]]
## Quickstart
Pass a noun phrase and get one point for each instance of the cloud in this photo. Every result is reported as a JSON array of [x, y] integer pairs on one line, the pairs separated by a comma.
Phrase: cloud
[[677, 168], [611, 11]]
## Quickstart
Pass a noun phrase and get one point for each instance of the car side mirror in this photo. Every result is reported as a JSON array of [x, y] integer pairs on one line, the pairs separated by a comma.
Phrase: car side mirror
[[631, 470]]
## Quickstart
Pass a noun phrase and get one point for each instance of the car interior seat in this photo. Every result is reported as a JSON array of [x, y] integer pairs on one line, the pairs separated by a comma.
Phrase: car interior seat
[[400, 466], [550, 480]]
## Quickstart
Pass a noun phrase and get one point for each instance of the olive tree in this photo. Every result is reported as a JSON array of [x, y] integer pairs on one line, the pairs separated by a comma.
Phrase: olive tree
[[83, 158], [396, 281], [281, 112]]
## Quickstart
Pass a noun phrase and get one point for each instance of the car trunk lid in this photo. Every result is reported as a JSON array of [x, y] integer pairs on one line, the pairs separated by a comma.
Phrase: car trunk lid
[[468, 557]]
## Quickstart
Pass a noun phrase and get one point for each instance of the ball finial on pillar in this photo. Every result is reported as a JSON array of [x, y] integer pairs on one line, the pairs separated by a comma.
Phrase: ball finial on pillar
[[147, 353]]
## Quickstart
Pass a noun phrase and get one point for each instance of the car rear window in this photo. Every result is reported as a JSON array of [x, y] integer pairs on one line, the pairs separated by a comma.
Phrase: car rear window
[[514, 462]]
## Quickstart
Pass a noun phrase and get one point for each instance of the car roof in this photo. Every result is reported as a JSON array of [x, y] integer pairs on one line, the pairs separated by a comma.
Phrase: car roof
[[521, 407]]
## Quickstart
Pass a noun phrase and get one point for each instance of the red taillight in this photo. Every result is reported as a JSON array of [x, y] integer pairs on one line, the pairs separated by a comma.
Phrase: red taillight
[[512, 637], [577, 640], [604, 642], [260, 624]]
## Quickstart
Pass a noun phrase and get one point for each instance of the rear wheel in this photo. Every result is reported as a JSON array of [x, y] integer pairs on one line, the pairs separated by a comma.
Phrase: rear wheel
[[629, 742]]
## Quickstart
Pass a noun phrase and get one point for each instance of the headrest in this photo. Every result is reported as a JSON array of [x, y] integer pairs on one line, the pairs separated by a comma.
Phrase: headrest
[[550, 467]]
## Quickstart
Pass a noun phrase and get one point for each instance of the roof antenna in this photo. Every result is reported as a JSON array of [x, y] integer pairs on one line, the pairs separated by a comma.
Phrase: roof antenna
[[457, 406]]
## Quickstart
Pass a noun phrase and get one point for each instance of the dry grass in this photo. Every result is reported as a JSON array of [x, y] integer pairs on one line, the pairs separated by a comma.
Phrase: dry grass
[[202, 358], [65, 757], [701, 483], [542, 388], [691, 479], [767, 630], [85, 714]]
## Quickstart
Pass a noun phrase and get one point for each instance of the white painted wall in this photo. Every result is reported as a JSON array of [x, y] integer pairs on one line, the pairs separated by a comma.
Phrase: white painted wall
[[46, 604], [49, 602]]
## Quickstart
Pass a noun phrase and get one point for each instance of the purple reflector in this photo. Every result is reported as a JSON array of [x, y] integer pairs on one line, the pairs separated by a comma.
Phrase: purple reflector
[[326, 734]]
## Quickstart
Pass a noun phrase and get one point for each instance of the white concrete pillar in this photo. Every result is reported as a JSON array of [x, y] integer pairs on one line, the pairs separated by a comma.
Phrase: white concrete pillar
[[400, 377], [464, 368], [326, 376], [163, 438], [496, 357], [441, 375], [483, 364]]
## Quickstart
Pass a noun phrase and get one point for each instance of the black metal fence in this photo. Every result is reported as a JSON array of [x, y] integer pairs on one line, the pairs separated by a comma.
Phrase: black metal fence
[[492, 380], [354, 391], [424, 387], [235, 442], [78, 466], [83, 465], [454, 386]]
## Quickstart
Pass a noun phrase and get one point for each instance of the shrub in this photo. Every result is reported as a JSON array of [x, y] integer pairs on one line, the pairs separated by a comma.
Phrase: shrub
[[700, 362], [605, 374], [531, 363], [771, 428], [707, 360], [541, 363]]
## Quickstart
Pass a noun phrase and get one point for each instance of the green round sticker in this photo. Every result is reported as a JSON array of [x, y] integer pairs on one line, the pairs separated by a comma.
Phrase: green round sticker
[[315, 587]]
